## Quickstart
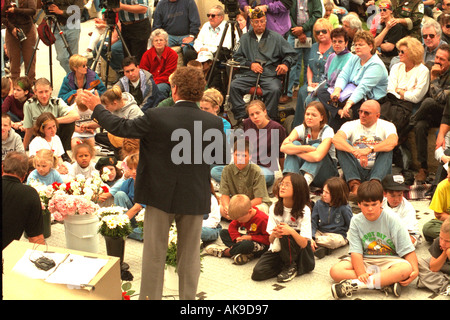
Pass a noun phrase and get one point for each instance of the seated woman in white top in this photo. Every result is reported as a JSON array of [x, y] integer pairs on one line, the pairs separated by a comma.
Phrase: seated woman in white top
[[308, 147]]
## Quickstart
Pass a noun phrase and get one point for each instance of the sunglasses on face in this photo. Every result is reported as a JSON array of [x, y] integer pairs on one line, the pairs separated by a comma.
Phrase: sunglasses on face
[[324, 31], [384, 9], [431, 36], [212, 15], [447, 26], [402, 51], [366, 113]]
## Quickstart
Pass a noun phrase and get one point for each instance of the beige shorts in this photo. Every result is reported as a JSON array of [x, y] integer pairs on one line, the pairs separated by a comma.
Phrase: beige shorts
[[380, 263]]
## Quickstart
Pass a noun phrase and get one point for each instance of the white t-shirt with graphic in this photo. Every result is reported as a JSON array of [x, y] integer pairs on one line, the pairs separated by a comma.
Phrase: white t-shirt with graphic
[[364, 137]]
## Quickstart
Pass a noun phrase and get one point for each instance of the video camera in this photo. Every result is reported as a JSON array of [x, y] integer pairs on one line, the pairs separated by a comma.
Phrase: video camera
[[110, 4], [45, 5], [231, 8]]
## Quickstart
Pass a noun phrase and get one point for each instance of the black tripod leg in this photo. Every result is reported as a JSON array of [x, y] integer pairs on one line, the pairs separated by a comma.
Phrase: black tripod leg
[[32, 56], [123, 42]]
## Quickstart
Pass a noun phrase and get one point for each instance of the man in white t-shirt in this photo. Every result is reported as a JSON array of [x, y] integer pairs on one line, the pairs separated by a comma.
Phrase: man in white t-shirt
[[364, 146]]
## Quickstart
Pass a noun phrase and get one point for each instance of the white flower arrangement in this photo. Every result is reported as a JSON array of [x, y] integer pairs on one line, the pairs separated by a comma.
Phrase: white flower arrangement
[[114, 222]]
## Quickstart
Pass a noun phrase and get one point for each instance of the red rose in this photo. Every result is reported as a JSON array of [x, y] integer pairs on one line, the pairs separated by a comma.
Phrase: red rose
[[125, 296], [56, 185], [105, 189], [293, 219]]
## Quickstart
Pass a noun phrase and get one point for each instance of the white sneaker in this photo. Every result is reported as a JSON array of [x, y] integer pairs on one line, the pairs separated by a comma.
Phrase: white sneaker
[[88, 55], [215, 250]]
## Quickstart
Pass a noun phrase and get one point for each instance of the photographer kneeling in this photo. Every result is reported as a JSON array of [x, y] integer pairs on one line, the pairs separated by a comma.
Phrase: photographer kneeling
[[20, 36]]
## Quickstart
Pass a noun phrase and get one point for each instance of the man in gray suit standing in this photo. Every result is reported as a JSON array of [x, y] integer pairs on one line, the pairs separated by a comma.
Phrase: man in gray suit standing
[[173, 176]]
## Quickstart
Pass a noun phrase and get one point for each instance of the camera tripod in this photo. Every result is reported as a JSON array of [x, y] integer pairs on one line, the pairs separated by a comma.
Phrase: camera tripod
[[49, 19], [111, 25], [234, 26]]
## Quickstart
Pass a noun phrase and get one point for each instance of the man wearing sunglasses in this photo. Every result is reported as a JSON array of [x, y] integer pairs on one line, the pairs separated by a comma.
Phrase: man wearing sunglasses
[[431, 34], [210, 34], [364, 147]]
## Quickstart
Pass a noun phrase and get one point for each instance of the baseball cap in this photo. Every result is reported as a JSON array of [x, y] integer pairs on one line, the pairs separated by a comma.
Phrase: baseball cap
[[204, 56], [394, 182]]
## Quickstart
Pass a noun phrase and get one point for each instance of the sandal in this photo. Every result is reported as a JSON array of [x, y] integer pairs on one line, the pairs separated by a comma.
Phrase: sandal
[[241, 258]]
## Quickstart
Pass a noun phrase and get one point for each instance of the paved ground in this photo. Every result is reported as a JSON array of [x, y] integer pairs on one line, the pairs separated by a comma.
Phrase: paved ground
[[220, 279]]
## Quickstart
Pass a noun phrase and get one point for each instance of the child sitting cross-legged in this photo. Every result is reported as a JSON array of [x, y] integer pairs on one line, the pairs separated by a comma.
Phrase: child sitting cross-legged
[[290, 253], [246, 236], [382, 255]]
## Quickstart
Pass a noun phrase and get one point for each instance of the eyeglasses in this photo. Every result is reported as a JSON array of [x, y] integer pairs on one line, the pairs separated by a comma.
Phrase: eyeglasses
[[324, 31], [384, 9], [285, 185], [212, 15], [431, 36], [366, 113], [338, 41], [402, 51]]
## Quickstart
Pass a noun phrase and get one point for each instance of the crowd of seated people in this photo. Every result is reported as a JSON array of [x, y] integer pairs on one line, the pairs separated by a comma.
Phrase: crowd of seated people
[[373, 73]]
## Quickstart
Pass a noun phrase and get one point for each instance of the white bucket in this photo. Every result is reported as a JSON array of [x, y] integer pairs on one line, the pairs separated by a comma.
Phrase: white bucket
[[170, 278], [82, 232]]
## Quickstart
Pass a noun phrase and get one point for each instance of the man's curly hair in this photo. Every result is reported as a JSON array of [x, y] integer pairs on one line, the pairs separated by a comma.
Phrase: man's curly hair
[[190, 83]]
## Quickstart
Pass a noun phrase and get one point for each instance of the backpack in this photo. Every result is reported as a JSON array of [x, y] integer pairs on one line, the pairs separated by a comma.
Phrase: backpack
[[46, 34]]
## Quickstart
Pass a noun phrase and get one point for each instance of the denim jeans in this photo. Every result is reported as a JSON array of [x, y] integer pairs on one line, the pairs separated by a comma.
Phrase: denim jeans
[[353, 170], [210, 234], [121, 199], [321, 171], [164, 89], [294, 72], [72, 36], [189, 52]]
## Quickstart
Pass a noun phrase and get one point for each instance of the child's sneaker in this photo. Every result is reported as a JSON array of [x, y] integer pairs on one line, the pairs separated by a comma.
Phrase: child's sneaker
[[287, 274], [242, 258], [343, 289], [215, 250], [395, 288]]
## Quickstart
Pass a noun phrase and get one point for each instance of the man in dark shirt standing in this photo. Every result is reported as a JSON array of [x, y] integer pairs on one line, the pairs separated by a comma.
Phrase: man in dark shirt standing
[[21, 206]]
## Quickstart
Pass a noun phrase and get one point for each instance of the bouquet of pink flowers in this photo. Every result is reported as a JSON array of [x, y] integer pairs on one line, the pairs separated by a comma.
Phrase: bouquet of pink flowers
[[62, 205]]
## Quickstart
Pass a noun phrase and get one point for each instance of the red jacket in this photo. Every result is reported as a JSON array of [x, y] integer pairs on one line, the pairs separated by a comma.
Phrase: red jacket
[[256, 227], [162, 68]]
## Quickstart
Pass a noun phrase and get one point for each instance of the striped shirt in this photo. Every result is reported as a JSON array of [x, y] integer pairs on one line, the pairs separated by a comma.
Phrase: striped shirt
[[129, 16]]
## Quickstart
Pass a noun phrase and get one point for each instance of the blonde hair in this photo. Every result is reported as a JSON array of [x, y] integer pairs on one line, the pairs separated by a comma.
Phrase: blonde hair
[[325, 23], [239, 206], [132, 161], [77, 60], [213, 96], [47, 156], [415, 49], [112, 94]]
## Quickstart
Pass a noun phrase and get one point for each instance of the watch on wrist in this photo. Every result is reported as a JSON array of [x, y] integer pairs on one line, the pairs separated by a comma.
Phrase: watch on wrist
[[372, 149]]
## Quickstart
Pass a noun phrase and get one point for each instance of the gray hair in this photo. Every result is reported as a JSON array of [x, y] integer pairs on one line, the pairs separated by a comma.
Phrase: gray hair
[[431, 23], [353, 21], [159, 33], [220, 8]]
